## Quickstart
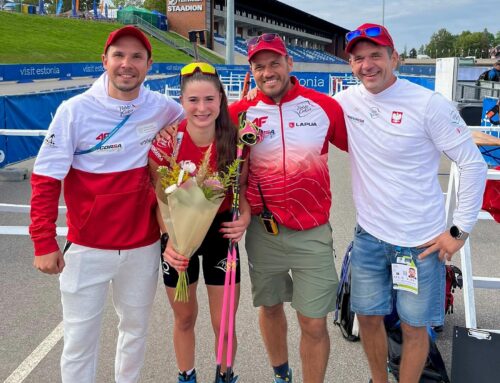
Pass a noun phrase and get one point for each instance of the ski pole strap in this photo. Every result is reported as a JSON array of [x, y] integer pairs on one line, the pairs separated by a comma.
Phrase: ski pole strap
[[102, 142]]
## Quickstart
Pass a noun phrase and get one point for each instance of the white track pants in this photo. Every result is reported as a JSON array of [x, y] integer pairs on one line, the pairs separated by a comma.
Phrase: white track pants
[[84, 282]]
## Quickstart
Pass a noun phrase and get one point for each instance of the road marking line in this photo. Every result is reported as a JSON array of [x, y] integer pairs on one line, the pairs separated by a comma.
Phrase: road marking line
[[36, 356]]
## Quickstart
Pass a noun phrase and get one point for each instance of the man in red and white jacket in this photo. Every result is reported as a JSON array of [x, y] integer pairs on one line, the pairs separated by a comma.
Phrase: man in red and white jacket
[[98, 144], [290, 168]]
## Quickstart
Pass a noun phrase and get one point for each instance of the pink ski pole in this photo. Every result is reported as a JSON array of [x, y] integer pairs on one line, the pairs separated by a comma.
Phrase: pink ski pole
[[229, 289]]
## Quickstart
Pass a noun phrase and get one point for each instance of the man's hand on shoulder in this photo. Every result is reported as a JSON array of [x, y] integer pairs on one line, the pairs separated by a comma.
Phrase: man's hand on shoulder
[[168, 133], [445, 244], [52, 263], [252, 94]]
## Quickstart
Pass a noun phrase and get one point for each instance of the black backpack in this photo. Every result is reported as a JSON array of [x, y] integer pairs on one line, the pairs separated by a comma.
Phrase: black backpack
[[344, 317], [434, 370], [484, 76]]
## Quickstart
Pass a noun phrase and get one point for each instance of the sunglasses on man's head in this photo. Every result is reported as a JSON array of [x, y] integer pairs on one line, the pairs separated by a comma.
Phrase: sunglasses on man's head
[[267, 37], [192, 68], [368, 32]]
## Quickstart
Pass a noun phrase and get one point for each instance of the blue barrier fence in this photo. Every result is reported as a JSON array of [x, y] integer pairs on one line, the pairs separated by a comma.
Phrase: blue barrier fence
[[34, 112], [31, 72], [465, 73], [27, 112], [423, 70], [64, 71], [491, 154]]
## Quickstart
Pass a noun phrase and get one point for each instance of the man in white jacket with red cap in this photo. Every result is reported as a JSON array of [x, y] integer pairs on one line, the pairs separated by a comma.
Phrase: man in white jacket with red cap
[[98, 144], [397, 132]]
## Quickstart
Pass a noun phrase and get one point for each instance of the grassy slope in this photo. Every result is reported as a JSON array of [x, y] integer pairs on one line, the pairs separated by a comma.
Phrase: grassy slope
[[47, 39]]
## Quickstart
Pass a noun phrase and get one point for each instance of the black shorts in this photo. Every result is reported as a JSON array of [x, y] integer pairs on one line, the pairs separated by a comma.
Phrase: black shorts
[[214, 254]]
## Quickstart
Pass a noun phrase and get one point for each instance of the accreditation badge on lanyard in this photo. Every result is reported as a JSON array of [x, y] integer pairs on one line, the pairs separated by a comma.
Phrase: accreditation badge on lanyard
[[405, 274]]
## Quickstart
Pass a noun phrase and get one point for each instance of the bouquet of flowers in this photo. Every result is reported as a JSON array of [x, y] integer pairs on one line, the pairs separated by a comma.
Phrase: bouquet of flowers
[[189, 197]]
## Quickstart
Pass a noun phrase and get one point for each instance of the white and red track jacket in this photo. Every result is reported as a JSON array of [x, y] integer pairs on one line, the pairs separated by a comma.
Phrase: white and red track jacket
[[108, 193], [291, 163]]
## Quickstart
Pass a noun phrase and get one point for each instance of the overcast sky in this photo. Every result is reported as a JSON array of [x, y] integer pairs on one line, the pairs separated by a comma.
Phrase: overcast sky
[[410, 22]]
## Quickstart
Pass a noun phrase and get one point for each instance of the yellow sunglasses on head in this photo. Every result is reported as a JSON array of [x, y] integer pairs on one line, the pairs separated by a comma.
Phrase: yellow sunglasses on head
[[205, 68]]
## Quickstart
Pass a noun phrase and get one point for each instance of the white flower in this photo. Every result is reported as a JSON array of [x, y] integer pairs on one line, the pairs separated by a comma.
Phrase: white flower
[[171, 189], [188, 166]]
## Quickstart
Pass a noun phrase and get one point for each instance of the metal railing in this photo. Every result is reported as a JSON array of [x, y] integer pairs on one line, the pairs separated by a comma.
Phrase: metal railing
[[233, 86], [472, 92], [180, 44], [340, 83], [470, 281]]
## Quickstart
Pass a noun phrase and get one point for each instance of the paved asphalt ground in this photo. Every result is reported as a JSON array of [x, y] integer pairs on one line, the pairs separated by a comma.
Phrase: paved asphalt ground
[[30, 307]]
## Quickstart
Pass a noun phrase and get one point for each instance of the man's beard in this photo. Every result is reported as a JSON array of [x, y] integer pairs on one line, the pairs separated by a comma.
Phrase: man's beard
[[126, 88]]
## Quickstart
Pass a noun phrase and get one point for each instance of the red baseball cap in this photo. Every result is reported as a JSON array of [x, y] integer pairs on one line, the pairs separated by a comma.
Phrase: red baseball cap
[[129, 30], [375, 33], [266, 42]]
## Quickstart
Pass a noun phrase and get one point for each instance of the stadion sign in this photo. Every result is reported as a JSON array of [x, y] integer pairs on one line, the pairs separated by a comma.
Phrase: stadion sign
[[184, 6]]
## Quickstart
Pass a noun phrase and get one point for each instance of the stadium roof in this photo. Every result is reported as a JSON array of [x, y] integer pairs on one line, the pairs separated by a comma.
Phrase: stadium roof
[[278, 11]]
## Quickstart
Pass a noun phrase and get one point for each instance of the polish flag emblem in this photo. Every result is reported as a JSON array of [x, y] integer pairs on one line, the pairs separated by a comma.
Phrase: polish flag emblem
[[397, 117]]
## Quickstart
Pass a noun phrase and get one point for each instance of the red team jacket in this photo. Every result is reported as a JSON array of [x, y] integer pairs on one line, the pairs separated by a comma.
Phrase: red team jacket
[[291, 163], [110, 200]]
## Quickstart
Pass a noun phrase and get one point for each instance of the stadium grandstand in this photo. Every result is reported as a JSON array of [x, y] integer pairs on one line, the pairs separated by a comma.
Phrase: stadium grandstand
[[310, 40]]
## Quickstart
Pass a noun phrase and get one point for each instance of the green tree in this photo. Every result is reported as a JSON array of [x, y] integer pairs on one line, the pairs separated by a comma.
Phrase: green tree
[[404, 55], [50, 6], [474, 43], [156, 5], [67, 5], [125, 3], [497, 39], [413, 53], [119, 3], [88, 5], [440, 44], [421, 50]]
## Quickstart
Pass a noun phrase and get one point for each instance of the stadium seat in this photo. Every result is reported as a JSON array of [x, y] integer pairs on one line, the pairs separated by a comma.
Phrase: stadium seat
[[299, 54]]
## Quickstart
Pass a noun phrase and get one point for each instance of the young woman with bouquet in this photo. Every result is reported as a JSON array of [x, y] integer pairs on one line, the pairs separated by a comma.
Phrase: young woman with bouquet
[[206, 128]]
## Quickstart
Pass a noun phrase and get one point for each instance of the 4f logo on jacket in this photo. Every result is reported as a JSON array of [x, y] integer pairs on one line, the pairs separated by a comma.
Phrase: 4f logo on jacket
[[102, 136], [259, 121]]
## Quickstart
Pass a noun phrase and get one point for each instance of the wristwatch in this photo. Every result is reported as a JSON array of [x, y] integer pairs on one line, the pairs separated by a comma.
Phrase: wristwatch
[[458, 233]]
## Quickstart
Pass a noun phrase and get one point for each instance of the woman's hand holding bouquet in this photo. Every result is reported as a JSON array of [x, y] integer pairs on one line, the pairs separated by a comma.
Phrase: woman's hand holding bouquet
[[174, 259]]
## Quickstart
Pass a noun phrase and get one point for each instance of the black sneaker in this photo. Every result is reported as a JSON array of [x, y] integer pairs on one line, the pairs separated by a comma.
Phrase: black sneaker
[[183, 378], [284, 379]]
